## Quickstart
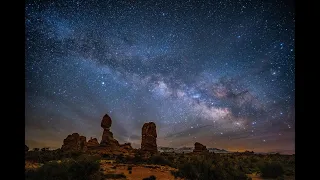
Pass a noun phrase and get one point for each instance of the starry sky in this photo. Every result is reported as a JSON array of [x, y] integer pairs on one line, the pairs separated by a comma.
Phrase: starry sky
[[216, 72]]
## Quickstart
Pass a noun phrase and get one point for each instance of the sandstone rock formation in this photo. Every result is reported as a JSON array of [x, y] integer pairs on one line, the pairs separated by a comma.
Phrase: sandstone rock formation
[[107, 136], [93, 142], [74, 142], [106, 121], [198, 147], [149, 138], [126, 146], [26, 148]]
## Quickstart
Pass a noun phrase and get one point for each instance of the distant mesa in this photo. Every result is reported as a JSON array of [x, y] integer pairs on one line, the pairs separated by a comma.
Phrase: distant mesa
[[199, 148], [26, 148], [149, 138], [248, 152], [74, 142]]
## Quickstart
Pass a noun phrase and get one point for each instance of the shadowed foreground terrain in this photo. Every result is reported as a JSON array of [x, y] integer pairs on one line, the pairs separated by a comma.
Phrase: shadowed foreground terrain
[[56, 164]]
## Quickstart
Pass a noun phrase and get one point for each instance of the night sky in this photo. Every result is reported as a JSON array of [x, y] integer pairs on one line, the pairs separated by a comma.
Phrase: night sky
[[216, 72]]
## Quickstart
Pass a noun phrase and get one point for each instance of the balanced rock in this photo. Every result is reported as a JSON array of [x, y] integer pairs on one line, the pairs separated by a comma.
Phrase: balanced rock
[[74, 142], [149, 138], [107, 136], [198, 147], [92, 142], [106, 121]]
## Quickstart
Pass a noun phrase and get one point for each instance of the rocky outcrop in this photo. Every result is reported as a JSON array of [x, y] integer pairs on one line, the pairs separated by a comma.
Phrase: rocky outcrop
[[93, 142], [26, 148], [198, 147], [126, 146], [74, 142], [107, 136], [149, 138]]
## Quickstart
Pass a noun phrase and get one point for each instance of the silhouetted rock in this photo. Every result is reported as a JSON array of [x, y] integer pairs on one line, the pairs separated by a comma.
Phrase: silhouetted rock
[[74, 142], [149, 138], [92, 142], [107, 139], [107, 136], [106, 121], [26, 148], [248, 152], [198, 147]]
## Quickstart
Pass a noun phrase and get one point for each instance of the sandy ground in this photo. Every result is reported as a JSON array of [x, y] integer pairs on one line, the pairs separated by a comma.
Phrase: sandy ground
[[31, 165], [139, 171], [257, 177]]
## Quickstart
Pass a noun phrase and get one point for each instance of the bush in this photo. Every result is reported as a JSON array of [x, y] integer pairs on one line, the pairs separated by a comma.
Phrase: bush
[[85, 169], [115, 176], [160, 160], [129, 168], [137, 159], [152, 177], [200, 168], [271, 170]]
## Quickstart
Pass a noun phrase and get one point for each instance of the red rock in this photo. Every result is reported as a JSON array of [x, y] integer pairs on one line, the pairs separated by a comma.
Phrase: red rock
[[107, 136], [74, 142], [106, 121], [126, 146], [149, 138], [107, 139], [92, 142]]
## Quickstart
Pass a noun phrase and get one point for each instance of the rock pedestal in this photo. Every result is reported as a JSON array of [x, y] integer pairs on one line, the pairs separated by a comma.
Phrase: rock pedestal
[[107, 136], [149, 138]]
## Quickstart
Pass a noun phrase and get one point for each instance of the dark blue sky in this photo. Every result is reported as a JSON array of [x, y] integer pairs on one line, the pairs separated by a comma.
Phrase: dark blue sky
[[217, 72]]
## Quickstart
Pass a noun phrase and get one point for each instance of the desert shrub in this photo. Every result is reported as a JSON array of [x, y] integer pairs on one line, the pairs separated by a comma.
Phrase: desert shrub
[[106, 156], [199, 168], [115, 176], [152, 177], [271, 170], [85, 169], [42, 156], [120, 158], [289, 172], [130, 172], [137, 159], [160, 160], [129, 168]]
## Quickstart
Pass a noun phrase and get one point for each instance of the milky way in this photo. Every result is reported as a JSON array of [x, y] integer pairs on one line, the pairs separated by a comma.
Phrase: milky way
[[217, 72]]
